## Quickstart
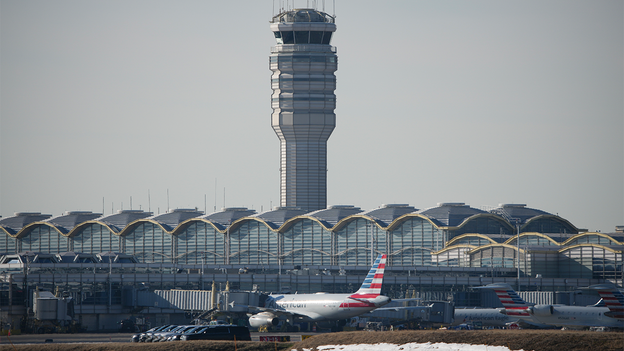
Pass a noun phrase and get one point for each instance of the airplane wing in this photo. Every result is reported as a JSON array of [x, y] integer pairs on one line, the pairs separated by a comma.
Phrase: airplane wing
[[528, 324], [308, 316], [400, 308]]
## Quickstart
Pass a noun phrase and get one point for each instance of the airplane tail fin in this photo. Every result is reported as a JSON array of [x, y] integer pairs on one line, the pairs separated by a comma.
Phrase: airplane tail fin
[[613, 299], [512, 302], [600, 303], [371, 287]]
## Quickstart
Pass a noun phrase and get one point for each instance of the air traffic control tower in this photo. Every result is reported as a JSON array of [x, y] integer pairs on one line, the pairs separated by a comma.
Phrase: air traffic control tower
[[303, 81]]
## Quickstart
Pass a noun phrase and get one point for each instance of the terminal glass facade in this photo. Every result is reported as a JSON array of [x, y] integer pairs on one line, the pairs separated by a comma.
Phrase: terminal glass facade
[[149, 243], [95, 238], [307, 243], [199, 243], [253, 243], [413, 240], [43, 238]]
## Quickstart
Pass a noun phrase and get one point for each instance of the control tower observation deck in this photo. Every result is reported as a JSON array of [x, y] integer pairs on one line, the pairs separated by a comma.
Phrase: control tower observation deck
[[303, 81]]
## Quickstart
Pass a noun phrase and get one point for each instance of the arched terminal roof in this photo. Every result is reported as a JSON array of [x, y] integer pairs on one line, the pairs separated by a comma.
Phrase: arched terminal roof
[[596, 238], [21, 219], [172, 218], [539, 239], [387, 213], [617, 236], [118, 221], [450, 214], [519, 211], [70, 219], [279, 216], [228, 215], [466, 238], [329, 217], [495, 246], [303, 15]]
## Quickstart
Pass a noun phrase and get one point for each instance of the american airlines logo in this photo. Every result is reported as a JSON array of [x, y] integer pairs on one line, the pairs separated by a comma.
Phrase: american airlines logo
[[291, 304]]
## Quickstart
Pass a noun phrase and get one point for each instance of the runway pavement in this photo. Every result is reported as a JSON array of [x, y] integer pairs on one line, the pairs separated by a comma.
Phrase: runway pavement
[[106, 337]]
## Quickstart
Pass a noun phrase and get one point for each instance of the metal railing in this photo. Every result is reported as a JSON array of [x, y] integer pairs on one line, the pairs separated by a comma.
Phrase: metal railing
[[303, 48]]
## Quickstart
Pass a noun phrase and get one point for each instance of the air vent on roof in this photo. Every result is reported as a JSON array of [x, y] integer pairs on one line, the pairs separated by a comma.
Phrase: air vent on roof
[[225, 209], [67, 213], [511, 205], [287, 208], [24, 214], [129, 211], [183, 210], [456, 204], [334, 207], [394, 205]]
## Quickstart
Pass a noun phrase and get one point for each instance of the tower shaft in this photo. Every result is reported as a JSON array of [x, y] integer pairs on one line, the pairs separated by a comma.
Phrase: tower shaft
[[303, 82]]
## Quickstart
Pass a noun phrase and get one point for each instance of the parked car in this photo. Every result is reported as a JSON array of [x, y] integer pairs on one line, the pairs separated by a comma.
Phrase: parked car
[[164, 336], [141, 337], [153, 337], [219, 332], [186, 331]]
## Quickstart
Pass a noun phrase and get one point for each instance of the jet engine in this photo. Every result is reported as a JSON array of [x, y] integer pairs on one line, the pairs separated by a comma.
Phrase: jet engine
[[263, 319], [541, 310]]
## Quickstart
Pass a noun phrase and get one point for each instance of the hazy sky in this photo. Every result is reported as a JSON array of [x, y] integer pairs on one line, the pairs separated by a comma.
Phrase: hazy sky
[[482, 102]]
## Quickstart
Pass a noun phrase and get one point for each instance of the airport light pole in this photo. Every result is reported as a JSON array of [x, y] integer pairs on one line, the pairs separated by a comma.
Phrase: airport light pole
[[518, 252]]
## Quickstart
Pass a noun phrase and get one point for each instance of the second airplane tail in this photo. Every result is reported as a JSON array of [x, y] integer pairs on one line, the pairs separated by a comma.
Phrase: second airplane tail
[[512, 302], [612, 298]]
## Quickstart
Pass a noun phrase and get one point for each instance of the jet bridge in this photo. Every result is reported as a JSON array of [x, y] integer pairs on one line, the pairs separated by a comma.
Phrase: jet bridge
[[421, 312]]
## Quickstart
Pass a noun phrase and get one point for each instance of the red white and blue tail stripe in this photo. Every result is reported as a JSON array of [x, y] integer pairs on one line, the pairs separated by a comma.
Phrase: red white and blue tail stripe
[[512, 302], [612, 298], [371, 287]]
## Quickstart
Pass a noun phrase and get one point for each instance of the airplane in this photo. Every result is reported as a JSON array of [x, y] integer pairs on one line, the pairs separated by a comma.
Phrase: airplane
[[613, 299], [487, 317], [575, 317], [323, 306], [493, 317]]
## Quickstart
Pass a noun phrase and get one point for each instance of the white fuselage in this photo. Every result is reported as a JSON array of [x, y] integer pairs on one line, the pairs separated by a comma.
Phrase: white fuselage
[[321, 307], [572, 316], [487, 316]]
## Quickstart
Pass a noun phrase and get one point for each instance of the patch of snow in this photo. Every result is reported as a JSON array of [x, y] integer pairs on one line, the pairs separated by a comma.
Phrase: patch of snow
[[412, 347]]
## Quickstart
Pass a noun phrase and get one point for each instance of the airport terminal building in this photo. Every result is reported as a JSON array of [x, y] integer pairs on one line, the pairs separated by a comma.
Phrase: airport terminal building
[[105, 262], [454, 237], [449, 236]]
